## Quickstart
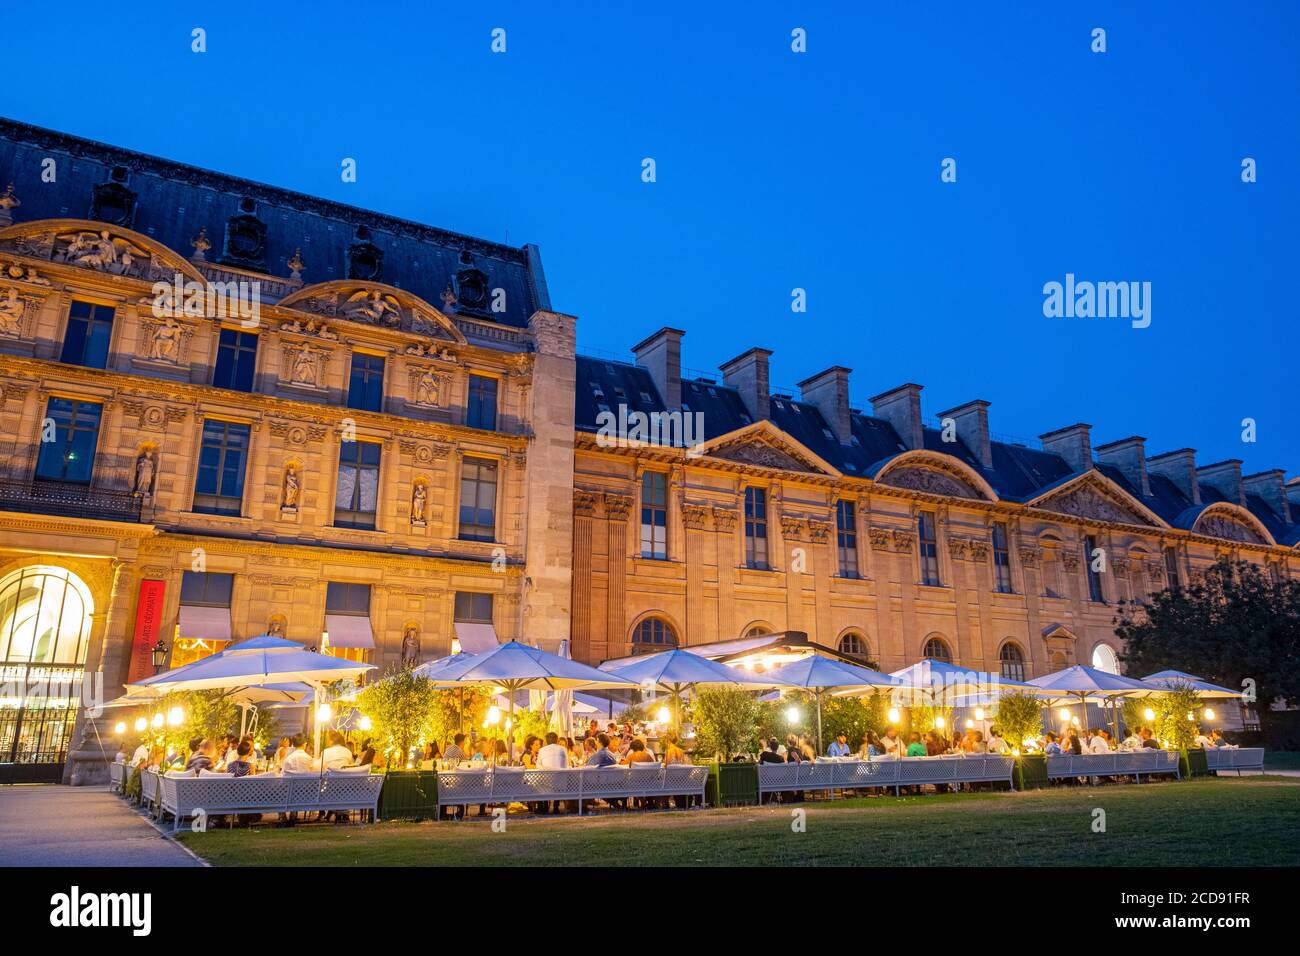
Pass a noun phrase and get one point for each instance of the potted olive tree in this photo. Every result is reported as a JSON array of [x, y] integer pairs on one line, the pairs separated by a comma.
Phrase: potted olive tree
[[1020, 717], [726, 727]]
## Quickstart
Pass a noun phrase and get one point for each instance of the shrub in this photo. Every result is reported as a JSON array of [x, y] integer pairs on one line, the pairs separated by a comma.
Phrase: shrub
[[726, 722], [1019, 717], [402, 709]]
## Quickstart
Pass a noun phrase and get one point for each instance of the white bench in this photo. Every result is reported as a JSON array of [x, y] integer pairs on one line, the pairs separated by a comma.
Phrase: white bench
[[1120, 763], [832, 775], [116, 777], [186, 796], [578, 784], [1226, 759], [149, 789]]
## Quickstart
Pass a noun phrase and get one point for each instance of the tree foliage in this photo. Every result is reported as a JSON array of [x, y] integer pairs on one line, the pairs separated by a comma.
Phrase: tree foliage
[[1019, 717], [726, 722], [1231, 624], [1172, 724], [402, 708]]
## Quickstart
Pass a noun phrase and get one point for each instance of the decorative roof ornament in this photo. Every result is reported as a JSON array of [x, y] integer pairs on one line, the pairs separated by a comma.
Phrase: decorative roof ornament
[[8, 202], [201, 244], [296, 265], [448, 298]]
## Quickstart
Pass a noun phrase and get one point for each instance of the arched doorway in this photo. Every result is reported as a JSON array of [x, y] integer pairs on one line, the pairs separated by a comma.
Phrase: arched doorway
[[45, 616]]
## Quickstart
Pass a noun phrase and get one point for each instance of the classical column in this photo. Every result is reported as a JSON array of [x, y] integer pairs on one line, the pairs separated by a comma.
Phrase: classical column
[[584, 507], [820, 541], [725, 521], [616, 638], [695, 519]]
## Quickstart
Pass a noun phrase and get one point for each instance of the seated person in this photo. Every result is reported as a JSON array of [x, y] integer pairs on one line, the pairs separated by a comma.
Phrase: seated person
[[871, 746], [839, 746], [554, 755], [203, 758], [604, 756], [1099, 742], [1052, 748], [977, 744], [1203, 741], [637, 753], [1216, 738], [793, 752], [242, 765], [337, 754], [934, 745], [893, 746], [1149, 741], [996, 744], [916, 748], [673, 753], [298, 760]]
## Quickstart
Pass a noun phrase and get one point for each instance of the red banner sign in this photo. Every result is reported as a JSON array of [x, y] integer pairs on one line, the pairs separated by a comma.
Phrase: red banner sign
[[148, 622]]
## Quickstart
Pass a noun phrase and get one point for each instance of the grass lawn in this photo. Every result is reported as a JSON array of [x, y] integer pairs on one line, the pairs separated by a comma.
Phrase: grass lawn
[[1246, 821]]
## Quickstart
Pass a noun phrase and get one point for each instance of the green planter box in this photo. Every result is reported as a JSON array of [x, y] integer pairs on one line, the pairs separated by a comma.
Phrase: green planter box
[[409, 795], [1031, 772], [1193, 763], [732, 785]]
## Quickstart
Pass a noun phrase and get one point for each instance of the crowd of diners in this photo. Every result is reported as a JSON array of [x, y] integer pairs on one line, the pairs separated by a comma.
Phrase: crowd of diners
[[243, 756]]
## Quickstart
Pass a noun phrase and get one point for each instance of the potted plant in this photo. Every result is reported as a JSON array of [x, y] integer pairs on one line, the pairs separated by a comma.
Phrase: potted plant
[[403, 709], [726, 722], [1020, 717]]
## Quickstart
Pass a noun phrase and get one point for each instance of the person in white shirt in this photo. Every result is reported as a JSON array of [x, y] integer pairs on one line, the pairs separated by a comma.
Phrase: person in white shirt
[[298, 760], [553, 756], [140, 757], [893, 746], [1203, 741], [1131, 742], [996, 744], [1099, 742], [337, 754]]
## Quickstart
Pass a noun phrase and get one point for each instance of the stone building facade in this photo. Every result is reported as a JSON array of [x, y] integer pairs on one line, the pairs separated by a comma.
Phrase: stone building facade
[[229, 409]]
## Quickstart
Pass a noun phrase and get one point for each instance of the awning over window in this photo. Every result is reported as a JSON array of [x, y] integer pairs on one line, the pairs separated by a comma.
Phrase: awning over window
[[476, 638], [349, 630], [205, 623]]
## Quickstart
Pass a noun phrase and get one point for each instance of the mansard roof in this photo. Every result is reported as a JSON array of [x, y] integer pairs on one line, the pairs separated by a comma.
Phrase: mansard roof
[[171, 202], [1018, 473]]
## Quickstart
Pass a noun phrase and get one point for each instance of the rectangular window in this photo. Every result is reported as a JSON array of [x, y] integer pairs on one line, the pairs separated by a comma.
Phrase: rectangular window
[[1001, 559], [85, 342], [1094, 577], [345, 598], [236, 359], [366, 385], [71, 455], [357, 496], [219, 488], [1171, 566], [928, 548], [206, 589], [756, 528], [654, 515], [481, 411], [473, 607], [846, 538], [478, 500]]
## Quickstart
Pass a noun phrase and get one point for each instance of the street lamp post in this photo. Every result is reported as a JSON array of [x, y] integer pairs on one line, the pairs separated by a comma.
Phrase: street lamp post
[[159, 655]]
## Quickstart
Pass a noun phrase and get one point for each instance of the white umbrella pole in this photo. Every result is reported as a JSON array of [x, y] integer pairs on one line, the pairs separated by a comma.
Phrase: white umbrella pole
[[818, 694]]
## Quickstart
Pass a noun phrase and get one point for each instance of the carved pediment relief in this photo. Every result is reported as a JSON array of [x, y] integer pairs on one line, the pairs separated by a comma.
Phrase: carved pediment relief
[[762, 454], [111, 250], [371, 303], [931, 481], [1224, 524], [1093, 501]]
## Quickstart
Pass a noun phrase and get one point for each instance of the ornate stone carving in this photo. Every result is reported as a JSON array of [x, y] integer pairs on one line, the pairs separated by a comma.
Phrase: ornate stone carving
[[696, 517], [819, 531], [290, 491], [296, 434], [1120, 565], [410, 645], [957, 548], [725, 519], [617, 507], [760, 454], [368, 304], [372, 307], [201, 244], [585, 502], [1030, 557], [879, 538], [428, 386], [979, 551], [104, 252], [145, 470], [903, 541], [1221, 526], [1087, 502], [793, 528], [930, 481], [419, 504], [14, 311], [311, 327], [1070, 560], [8, 203], [305, 365]]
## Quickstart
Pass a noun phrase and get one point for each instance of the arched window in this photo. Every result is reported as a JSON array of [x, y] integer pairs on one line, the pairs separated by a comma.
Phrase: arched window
[[1012, 659], [1105, 659], [652, 635], [854, 645], [758, 630], [937, 648]]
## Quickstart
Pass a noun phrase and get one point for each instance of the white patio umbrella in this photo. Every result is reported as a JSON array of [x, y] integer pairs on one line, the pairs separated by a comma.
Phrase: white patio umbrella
[[1082, 683], [514, 667], [1172, 680], [951, 681], [678, 672], [258, 662], [821, 674], [561, 720]]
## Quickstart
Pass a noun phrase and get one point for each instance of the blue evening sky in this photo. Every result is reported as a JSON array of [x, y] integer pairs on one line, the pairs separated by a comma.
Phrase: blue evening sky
[[778, 170]]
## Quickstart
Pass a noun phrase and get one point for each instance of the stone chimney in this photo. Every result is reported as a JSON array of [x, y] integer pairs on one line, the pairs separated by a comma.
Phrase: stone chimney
[[901, 407], [1271, 486], [1073, 443], [661, 356], [829, 391], [972, 422], [1130, 457], [1224, 477], [747, 374], [1180, 468], [1293, 494]]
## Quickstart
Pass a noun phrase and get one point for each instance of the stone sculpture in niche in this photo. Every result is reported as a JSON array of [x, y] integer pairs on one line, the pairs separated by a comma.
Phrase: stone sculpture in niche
[[13, 309], [291, 489], [411, 645], [165, 340], [419, 504], [144, 472]]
